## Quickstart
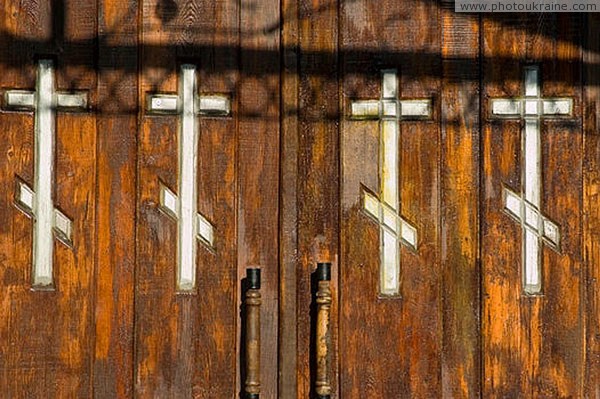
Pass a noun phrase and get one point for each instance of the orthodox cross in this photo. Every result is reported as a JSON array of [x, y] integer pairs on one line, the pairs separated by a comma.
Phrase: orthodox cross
[[191, 225], [526, 206], [389, 110], [48, 222]]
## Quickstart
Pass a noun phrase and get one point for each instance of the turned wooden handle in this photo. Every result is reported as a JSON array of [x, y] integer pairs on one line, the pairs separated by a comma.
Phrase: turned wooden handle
[[252, 303], [322, 383]]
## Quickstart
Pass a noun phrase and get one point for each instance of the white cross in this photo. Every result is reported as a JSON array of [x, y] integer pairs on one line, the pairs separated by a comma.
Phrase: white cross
[[390, 110], [37, 202], [526, 207], [191, 225]]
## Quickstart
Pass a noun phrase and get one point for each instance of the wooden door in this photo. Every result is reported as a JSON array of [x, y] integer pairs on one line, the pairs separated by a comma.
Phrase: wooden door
[[210, 159], [389, 245], [49, 200], [128, 226], [531, 216], [445, 165], [464, 263]]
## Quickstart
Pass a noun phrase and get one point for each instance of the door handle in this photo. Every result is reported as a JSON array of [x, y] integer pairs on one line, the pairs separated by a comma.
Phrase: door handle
[[323, 336], [252, 302]]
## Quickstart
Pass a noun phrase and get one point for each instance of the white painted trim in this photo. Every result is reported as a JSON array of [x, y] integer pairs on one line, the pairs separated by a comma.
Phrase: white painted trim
[[508, 107], [214, 105], [62, 226], [389, 84], [168, 201], [43, 208], [205, 231], [72, 100], [162, 103], [20, 99], [365, 109], [558, 106], [415, 108], [26, 197], [188, 180]]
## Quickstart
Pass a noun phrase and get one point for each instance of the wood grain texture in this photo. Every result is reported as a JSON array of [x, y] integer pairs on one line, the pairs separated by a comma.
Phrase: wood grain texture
[[115, 327], [258, 168], [533, 346], [461, 360], [46, 336], [391, 347], [318, 171], [288, 202], [186, 344], [117, 201], [591, 210]]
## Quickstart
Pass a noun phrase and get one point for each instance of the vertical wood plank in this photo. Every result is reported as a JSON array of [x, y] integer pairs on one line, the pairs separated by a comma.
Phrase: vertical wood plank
[[218, 282], [591, 210], [46, 336], [459, 198], [258, 165], [532, 344], [501, 257], [116, 168], [318, 160], [390, 347], [288, 236], [187, 344]]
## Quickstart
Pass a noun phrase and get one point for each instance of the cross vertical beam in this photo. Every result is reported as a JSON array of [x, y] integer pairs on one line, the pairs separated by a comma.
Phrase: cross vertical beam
[[389, 110], [526, 207], [188, 180], [37, 202], [191, 225], [44, 169]]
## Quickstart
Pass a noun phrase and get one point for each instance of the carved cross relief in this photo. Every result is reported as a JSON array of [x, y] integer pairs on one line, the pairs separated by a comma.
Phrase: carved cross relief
[[182, 207], [36, 201], [526, 207], [389, 110]]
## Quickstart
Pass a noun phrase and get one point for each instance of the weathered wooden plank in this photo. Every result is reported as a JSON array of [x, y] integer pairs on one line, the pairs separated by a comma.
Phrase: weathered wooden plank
[[459, 191], [117, 201], [391, 347], [591, 210], [288, 235], [46, 336], [186, 344], [533, 344], [562, 357], [258, 175], [501, 257], [318, 160], [219, 311]]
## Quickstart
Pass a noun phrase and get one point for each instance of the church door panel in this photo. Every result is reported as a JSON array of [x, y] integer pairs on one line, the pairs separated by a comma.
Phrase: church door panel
[[186, 282], [48, 203], [390, 144], [208, 196], [531, 193]]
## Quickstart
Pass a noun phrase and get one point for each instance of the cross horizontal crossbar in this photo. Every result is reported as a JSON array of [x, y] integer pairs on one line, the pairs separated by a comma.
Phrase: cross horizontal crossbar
[[524, 107], [25, 100], [216, 105], [401, 109]]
